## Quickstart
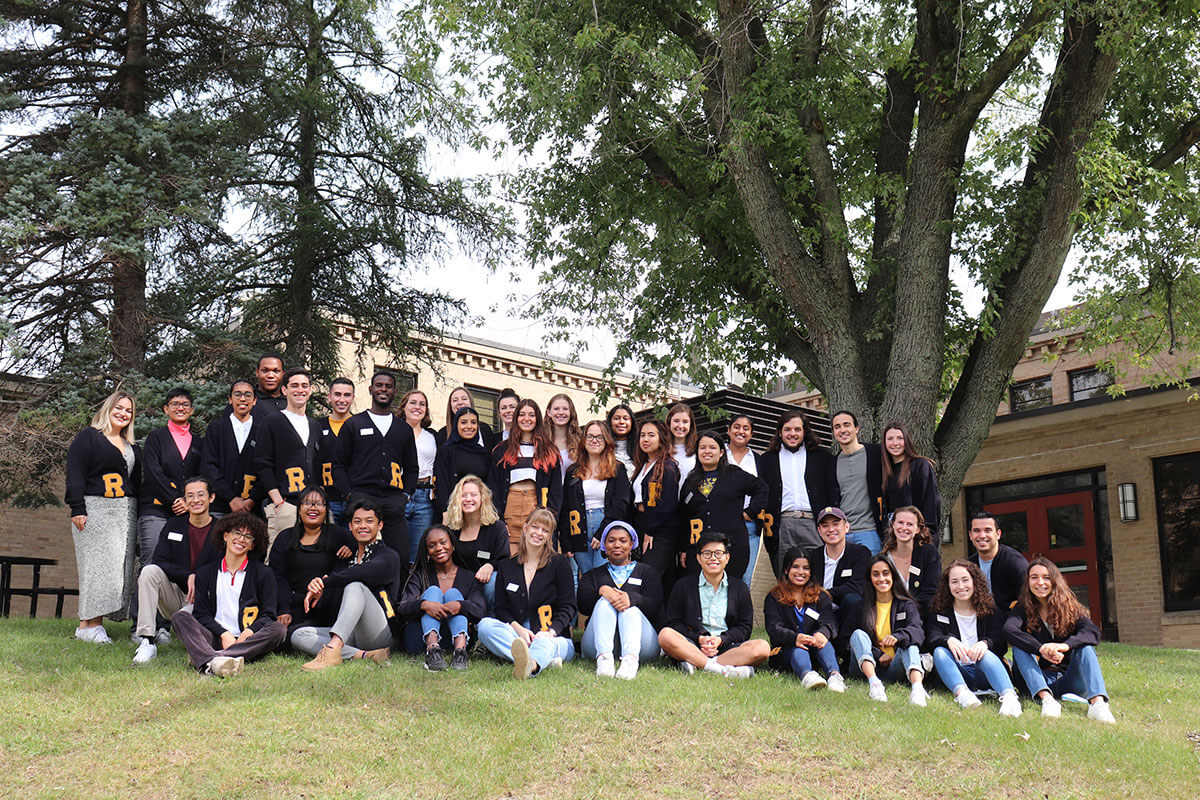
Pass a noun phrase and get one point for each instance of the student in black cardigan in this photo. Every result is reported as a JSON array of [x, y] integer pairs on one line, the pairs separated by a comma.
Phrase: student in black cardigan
[[285, 453], [441, 598], [800, 624], [888, 635], [1004, 568], [535, 603], [363, 591], [909, 479], [232, 624], [526, 471], [103, 476], [164, 469], [966, 635], [309, 549], [623, 600], [227, 458], [596, 493], [840, 567], [461, 455], [714, 498], [1054, 643], [481, 537], [713, 641], [656, 499], [908, 544], [802, 478]]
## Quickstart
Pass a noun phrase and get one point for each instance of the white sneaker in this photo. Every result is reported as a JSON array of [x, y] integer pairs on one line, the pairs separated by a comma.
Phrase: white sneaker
[[967, 699], [523, 665], [95, 634], [812, 680], [837, 683], [876, 692], [555, 663], [628, 669], [688, 667], [739, 672], [162, 637], [147, 651], [918, 696], [1100, 712], [1051, 708], [1010, 705], [604, 666], [927, 663], [225, 667], [714, 666]]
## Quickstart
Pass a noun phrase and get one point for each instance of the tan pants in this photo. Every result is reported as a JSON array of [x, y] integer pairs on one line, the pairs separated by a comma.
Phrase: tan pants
[[516, 510], [156, 592], [278, 519]]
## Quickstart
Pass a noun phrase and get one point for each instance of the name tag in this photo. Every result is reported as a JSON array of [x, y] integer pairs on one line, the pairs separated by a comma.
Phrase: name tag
[[943, 620], [634, 581], [808, 612], [914, 570], [326, 432], [512, 587], [846, 573], [175, 536], [902, 615], [252, 443], [365, 431], [688, 499], [484, 554]]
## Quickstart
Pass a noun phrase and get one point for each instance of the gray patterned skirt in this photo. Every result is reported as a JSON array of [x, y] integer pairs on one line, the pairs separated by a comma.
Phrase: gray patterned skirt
[[104, 554]]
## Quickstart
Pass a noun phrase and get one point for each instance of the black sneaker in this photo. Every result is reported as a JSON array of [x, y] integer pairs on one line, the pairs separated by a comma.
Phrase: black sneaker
[[459, 659], [435, 660]]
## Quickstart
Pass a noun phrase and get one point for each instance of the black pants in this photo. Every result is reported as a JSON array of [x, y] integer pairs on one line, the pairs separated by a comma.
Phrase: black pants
[[392, 507]]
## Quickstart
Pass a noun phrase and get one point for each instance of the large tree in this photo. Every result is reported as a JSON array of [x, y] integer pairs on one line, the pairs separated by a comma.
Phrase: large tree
[[816, 184]]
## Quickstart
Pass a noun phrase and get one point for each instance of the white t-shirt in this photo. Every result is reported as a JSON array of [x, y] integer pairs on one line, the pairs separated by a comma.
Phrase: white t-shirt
[[637, 482], [299, 422], [748, 463], [593, 494], [686, 463], [383, 423], [229, 596], [426, 453], [968, 630]]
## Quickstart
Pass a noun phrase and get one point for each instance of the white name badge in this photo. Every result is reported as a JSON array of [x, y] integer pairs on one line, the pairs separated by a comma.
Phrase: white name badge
[[902, 615], [914, 570], [846, 573], [175, 536], [635, 581], [688, 499], [365, 431], [943, 620], [811, 613], [484, 554], [512, 587]]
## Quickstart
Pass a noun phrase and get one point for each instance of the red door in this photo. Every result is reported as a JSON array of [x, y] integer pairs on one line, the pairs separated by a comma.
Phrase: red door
[[1063, 529]]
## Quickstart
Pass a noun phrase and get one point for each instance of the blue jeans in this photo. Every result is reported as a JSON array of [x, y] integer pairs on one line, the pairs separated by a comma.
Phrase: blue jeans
[[800, 659], [498, 637], [489, 592], [337, 512], [587, 558], [416, 631], [419, 515], [755, 538], [1082, 676], [906, 658], [607, 625], [868, 539], [987, 671]]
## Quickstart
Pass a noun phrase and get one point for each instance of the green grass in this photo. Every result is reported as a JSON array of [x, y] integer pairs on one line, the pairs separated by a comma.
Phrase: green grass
[[79, 721]]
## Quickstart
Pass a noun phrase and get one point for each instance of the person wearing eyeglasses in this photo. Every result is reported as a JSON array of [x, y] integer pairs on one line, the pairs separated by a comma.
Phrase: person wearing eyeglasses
[[227, 458], [233, 620], [596, 492], [709, 618], [171, 453]]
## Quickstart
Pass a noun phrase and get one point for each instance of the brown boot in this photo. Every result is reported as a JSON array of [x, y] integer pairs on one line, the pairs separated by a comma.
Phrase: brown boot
[[328, 657], [379, 656]]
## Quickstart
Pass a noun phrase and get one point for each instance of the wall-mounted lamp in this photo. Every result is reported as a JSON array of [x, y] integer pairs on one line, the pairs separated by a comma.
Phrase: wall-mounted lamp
[[947, 530], [1127, 500]]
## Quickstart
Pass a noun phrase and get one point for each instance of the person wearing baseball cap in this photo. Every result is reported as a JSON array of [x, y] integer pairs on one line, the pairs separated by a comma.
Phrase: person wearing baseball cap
[[841, 568]]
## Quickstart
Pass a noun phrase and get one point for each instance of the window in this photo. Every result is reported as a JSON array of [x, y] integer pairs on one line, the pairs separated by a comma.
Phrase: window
[[1028, 395], [484, 401], [1177, 494], [405, 381], [1087, 383]]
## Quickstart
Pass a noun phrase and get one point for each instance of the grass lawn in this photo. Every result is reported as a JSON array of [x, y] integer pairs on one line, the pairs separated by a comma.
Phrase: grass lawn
[[79, 721]]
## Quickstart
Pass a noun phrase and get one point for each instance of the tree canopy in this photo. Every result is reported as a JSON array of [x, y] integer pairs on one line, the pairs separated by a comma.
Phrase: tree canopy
[[820, 184]]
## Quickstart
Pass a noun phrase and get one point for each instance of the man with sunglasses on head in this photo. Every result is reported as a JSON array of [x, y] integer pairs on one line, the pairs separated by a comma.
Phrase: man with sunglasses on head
[[709, 618]]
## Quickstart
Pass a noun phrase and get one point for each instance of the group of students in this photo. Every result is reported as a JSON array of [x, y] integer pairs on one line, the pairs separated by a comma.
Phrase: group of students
[[648, 529]]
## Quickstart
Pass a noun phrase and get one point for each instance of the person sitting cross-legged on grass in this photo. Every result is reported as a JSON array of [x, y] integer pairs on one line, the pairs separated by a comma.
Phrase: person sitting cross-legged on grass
[[1054, 643], [440, 599], [709, 617], [888, 635], [965, 631], [798, 613], [535, 602], [360, 592], [233, 620], [622, 599]]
